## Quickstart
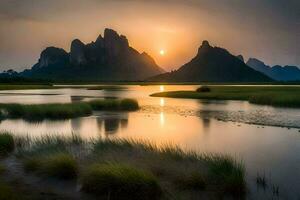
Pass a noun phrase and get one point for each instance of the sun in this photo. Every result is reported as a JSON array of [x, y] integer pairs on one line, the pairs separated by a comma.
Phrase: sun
[[162, 52]]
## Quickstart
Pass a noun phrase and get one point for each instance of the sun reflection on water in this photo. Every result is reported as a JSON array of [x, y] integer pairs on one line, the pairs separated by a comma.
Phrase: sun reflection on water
[[162, 102], [162, 88], [162, 119]]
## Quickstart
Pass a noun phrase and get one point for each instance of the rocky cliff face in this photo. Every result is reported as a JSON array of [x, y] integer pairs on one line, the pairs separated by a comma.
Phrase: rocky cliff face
[[77, 53], [52, 56], [277, 72], [114, 44], [213, 64], [258, 65], [108, 58]]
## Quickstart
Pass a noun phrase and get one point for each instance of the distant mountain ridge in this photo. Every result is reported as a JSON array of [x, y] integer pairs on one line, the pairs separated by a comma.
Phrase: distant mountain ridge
[[213, 64], [109, 58], [277, 72]]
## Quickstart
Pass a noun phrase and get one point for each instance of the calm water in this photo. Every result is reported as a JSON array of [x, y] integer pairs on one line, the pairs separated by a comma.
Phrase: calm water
[[267, 139]]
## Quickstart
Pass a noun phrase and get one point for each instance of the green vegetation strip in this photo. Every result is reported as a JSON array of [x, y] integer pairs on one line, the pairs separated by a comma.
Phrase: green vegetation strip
[[108, 87], [130, 168], [282, 96], [26, 87], [37, 112]]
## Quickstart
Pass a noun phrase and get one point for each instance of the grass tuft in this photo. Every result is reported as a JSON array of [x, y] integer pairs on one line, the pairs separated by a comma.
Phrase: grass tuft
[[194, 181], [2, 169], [261, 181], [229, 174], [130, 164], [7, 192], [203, 89], [129, 104], [115, 104], [58, 165], [114, 181], [32, 164], [7, 143]]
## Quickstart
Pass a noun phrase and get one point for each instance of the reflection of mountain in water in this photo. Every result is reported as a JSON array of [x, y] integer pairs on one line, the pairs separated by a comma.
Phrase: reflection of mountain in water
[[103, 124], [206, 123], [112, 123]]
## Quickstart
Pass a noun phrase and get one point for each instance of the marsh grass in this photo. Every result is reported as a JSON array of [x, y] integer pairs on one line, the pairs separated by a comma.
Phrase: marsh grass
[[7, 192], [137, 166], [47, 144], [25, 87], [46, 111], [282, 96], [2, 169], [261, 181], [203, 89], [7, 143], [196, 170], [116, 180], [108, 87], [39, 112], [60, 165], [229, 173], [115, 104], [195, 181]]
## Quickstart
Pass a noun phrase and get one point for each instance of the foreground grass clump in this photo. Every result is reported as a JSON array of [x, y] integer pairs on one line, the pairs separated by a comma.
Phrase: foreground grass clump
[[46, 111], [129, 169], [231, 179], [7, 143], [117, 180], [115, 104], [59, 165], [282, 96], [188, 170], [194, 181], [6, 192], [2, 169]]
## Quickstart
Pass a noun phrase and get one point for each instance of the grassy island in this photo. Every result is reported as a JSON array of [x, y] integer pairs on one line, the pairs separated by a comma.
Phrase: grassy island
[[26, 86], [36, 112], [125, 168], [282, 96]]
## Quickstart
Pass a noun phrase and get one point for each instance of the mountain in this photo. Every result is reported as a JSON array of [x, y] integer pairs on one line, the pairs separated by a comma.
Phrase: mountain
[[279, 73], [241, 58], [109, 58], [213, 64]]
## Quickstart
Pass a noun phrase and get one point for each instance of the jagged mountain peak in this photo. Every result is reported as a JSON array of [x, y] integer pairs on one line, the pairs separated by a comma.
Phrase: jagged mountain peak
[[255, 60], [205, 46], [241, 57], [108, 58], [213, 64]]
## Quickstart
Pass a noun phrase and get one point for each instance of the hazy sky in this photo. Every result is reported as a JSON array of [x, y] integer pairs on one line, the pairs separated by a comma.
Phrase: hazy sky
[[265, 29]]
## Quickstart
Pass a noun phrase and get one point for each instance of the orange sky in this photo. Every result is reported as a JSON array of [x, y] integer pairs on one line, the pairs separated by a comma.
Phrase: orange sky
[[176, 26]]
